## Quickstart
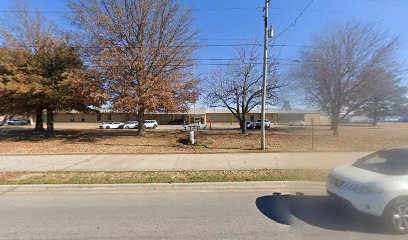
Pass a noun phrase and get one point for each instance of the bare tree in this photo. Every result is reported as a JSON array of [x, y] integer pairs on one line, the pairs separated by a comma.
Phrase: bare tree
[[334, 71], [142, 50], [238, 86]]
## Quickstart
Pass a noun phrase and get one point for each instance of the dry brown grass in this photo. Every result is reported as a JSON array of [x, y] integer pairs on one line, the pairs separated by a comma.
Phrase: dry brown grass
[[281, 139], [7, 178]]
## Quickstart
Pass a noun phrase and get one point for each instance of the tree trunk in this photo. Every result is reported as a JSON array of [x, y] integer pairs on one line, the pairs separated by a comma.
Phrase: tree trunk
[[331, 123], [242, 125], [375, 118], [50, 122], [335, 127], [39, 121], [141, 130]]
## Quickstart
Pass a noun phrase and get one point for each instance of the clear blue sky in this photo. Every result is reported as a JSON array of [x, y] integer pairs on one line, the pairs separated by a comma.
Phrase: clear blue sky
[[219, 25]]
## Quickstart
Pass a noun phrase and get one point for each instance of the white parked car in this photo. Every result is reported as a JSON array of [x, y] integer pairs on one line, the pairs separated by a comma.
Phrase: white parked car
[[15, 122], [131, 124], [296, 123], [112, 125], [258, 123], [376, 184], [151, 123]]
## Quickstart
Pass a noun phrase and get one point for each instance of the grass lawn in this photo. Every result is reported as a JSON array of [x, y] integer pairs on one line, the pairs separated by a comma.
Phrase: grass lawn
[[8, 178], [279, 139]]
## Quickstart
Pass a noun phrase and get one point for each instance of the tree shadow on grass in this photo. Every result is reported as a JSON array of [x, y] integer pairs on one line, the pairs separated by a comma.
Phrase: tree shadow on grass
[[69, 136], [320, 211]]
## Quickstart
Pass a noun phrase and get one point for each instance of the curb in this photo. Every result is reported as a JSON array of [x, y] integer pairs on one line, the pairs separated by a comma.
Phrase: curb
[[276, 186], [181, 153]]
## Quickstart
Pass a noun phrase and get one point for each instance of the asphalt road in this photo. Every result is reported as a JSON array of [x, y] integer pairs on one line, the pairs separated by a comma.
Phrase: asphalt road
[[225, 214]]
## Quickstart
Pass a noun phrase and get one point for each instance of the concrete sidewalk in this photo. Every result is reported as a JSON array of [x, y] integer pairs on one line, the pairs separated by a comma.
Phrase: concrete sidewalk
[[176, 162]]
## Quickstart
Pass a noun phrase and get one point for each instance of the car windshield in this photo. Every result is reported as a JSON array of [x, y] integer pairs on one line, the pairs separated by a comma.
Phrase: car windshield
[[388, 162]]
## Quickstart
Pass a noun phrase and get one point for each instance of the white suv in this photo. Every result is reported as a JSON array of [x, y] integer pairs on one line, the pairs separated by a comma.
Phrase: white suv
[[258, 123], [376, 184], [151, 123], [112, 125]]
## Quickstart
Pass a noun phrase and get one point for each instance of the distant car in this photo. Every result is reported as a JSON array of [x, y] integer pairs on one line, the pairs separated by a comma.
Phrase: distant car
[[258, 123], [393, 119], [151, 123], [131, 124], [112, 125], [296, 123], [376, 184], [16, 122], [250, 125], [177, 122]]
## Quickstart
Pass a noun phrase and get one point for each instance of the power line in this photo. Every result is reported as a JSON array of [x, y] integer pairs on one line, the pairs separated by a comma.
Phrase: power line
[[294, 22], [180, 46], [191, 9], [169, 65]]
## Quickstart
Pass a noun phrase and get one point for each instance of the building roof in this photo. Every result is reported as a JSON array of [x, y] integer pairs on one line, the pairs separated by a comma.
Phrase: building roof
[[203, 111], [255, 111]]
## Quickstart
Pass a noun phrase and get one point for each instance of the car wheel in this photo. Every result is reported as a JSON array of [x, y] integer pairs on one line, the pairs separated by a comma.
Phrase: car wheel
[[127, 127], [396, 216], [155, 126], [107, 127]]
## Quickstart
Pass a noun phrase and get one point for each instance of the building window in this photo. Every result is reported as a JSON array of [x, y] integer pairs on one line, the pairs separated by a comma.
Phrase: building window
[[82, 119], [109, 117], [98, 117]]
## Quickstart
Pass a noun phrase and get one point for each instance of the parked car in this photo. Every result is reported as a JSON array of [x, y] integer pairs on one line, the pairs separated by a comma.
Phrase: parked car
[[16, 122], [296, 123], [376, 184], [112, 125], [177, 122], [131, 124], [258, 123], [250, 125], [151, 123]]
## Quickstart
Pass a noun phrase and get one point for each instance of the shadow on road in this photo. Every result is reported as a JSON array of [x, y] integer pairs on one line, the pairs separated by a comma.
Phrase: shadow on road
[[319, 211]]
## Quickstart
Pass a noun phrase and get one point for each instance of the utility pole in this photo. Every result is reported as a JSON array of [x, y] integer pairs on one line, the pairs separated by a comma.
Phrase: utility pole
[[265, 70]]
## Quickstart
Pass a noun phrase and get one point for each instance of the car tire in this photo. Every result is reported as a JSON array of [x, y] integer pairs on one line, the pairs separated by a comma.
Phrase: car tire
[[127, 127], [155, 126], [396, 216], [107, 127]]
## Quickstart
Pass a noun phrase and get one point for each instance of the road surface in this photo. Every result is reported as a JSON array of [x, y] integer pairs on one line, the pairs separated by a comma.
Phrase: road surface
[[175, 214]]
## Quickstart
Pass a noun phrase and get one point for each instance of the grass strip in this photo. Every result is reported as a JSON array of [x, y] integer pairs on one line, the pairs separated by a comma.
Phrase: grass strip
[[113, 177]]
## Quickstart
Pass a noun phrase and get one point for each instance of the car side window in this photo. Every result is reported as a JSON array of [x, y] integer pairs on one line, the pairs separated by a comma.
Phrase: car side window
[[376, 159]]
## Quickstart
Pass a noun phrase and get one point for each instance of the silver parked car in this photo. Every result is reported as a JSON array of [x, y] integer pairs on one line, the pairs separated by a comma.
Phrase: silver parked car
[[15, 122], [250, 125], [131, 124], [296, 123]]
